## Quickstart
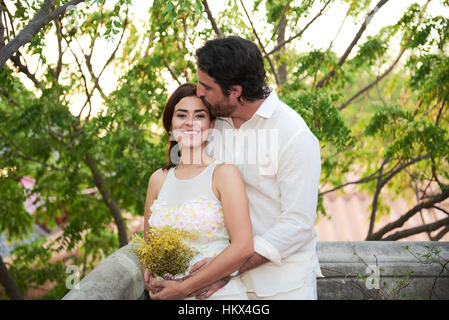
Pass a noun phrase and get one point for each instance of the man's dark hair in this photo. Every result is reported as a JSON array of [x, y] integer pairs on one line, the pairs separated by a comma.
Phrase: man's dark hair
[[234, 61]]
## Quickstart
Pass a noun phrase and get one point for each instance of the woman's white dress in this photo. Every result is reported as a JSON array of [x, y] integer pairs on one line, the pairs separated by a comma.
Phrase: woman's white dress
[[192, 205]]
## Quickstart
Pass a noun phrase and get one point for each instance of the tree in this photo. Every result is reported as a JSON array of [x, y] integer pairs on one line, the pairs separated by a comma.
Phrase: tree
[[67, 153], [321, 85], [379, 109]]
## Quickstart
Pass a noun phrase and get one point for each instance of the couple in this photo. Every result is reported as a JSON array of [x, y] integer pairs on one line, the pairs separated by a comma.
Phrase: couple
[[256, 227]]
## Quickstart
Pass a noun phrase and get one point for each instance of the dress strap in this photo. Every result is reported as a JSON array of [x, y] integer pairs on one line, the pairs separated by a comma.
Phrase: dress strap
[[175, 191]]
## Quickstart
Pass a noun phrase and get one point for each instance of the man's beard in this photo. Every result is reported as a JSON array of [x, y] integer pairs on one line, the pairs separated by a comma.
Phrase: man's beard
[[220, 109]]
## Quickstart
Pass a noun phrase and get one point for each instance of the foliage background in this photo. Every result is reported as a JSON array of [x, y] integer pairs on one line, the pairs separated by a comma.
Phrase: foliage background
[[378, 106]]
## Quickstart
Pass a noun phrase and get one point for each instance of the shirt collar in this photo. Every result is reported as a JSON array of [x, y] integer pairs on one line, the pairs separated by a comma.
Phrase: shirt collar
[[265, 110], [267, 107]]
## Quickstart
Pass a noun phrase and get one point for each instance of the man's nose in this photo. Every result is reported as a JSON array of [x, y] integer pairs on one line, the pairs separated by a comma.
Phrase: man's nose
[[199, 91]]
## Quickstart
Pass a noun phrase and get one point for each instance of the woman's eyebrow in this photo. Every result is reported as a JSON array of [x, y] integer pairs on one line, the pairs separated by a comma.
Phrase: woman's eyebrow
[[184, 110]]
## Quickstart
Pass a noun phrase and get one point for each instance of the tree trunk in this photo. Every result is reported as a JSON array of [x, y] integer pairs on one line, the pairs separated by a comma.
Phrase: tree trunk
[[12, 290], [282, 71], [108, 200]]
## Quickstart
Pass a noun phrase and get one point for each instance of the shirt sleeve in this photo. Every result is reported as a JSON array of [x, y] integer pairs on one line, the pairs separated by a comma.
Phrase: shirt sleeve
[[298, 177]]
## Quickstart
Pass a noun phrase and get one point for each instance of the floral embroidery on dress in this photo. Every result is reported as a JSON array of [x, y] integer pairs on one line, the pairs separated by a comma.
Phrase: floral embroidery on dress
[[202, 216]]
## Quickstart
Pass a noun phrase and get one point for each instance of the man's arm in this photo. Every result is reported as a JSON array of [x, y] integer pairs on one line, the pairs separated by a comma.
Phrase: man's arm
[[298, 178], [252, 262]]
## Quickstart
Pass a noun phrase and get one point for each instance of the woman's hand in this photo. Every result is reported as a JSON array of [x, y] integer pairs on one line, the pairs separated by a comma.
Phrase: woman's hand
[[167, 290], [146, 279], [150, 280]]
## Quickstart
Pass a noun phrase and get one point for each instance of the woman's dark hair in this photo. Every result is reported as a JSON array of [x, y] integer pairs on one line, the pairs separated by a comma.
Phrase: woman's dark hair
[[234, 61], [184, 90]]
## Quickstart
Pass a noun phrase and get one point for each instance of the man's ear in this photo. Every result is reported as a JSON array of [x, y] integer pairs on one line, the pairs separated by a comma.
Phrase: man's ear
[[212, 124], [236, 91]]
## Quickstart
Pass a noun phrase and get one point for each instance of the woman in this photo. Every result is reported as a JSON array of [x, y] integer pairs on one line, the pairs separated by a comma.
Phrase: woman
[[202, 196]]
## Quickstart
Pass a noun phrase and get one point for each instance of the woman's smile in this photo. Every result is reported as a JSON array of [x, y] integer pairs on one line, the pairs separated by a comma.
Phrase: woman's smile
[[190, 122]]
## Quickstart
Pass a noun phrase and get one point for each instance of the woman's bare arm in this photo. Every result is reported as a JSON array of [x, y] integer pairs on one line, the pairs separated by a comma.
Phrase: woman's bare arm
[[231, 188], [154, 186]]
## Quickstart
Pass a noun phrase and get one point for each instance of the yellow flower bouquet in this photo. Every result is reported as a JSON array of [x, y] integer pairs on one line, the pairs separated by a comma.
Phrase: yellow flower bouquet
[[164, 251]]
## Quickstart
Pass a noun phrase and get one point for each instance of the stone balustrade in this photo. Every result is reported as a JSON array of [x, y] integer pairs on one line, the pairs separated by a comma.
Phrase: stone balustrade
[[352, 270]]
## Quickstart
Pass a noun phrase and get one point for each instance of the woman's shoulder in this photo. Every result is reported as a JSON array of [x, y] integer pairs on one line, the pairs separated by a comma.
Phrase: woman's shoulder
[[158, 178], [226, 170]]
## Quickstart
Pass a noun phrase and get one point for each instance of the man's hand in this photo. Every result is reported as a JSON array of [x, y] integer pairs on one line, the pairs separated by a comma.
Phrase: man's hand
[[209, 290], [168, 290], [197, 266], [252, 262]]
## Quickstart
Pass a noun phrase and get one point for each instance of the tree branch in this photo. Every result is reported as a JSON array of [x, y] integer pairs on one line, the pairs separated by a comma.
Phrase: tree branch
[[379, 78], [373, 176], [376, 198], [282, 69], [381, 183], [261, 46], [357, 37], [437, 121], [405, 217], [173, 74], [2, 28], [4, 93], [12, 289], [440, 234], [441, 209], [86, 89], [367, 179], [211, 19], [106, 195], [24, 69], [58, 69], [403, 166], [111, 57], [423, 228], [339, 29], [40, 19], [279, 22], [375, 82], [19, 155], [299, 34], [6, 11]]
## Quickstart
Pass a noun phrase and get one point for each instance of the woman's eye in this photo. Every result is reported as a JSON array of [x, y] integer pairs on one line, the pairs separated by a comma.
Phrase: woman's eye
[[180, 115], [201, 116]]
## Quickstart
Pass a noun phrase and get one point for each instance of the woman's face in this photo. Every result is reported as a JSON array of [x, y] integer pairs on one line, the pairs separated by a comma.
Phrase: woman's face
[[190, 122]]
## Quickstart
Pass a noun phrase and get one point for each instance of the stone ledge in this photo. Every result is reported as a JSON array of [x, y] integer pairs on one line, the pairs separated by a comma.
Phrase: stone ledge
[[352, 270], [405, 270], [118, 277]]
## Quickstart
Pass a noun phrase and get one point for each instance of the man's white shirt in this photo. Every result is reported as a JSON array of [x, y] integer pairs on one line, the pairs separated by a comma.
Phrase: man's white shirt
[[279, 159]]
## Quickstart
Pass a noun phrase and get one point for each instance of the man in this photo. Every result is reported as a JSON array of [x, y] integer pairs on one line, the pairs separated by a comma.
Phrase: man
[[283, 193]]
